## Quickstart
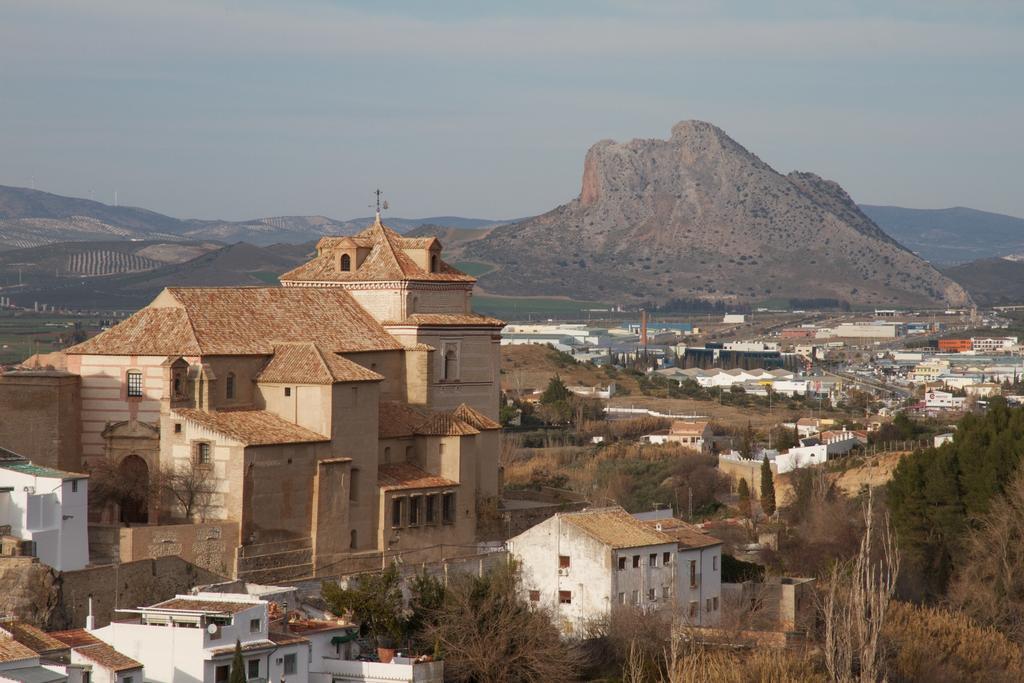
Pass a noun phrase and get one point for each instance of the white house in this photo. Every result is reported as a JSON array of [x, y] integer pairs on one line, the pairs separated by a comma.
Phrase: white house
[[191, 638], [46, 509], [944, 400], [581, 565], [105, 663]]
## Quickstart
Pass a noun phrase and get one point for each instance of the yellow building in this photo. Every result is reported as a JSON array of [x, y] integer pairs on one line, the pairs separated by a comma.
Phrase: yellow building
[[351, 411]]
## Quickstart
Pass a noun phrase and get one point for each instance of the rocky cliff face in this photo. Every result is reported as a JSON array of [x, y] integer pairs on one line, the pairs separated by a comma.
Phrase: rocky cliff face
[[698, 216]]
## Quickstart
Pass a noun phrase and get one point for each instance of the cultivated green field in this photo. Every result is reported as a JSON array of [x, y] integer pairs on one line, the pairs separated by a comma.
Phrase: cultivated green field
[[526, 308], [23, 334]]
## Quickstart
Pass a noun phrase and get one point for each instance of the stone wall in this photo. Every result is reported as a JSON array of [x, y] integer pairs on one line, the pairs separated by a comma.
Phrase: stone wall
[[40, 417], [126, 585], [209, 545]]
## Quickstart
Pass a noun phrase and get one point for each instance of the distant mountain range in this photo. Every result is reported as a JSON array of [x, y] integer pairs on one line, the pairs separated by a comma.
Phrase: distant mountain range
[[31, 218], [948, 236], [698, 216]]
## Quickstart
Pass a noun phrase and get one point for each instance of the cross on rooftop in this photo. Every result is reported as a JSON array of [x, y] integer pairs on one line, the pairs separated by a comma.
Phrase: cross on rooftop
[[380, 205]]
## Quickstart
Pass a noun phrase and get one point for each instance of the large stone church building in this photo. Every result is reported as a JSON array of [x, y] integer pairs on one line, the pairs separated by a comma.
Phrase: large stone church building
[[352, 410]]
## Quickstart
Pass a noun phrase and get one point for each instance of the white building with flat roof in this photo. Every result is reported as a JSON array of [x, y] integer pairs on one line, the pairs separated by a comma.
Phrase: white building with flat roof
[[46, 509]]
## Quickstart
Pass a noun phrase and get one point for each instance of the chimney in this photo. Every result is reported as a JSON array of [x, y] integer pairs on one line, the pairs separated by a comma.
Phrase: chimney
[[643, 328], [76, 672], [90, 621]]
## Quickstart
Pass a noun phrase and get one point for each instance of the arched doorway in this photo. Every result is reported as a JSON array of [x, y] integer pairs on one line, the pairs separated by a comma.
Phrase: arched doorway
[[135, 486]]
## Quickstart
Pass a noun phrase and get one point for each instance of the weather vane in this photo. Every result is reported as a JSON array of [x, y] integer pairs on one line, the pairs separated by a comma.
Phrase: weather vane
[[380, 205]]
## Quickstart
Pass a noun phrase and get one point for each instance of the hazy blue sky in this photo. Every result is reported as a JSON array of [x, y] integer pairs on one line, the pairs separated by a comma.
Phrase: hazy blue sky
[[245, 109]]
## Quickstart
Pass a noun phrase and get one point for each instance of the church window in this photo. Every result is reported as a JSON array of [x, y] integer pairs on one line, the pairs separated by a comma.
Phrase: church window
[[396, 512], [229, 386], [134, 381], [433, 263], [450, 371], [352, 540], [448, 508], [203, 453], [346, 262]]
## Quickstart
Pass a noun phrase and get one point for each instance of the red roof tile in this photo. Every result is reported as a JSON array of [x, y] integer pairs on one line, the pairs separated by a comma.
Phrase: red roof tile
[[251, 427], [307, 363], [475, 418], [397, 476]]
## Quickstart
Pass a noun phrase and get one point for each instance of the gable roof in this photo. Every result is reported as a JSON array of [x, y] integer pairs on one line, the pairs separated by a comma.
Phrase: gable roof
[[250, 427], [615, 527], [190, 321], [685, 535], [13, 651], [445, 424], [107, 657], [35, 639], [475, 418], [396, 420], [403, 475], [682, 427], [387, 260], [307, 363]]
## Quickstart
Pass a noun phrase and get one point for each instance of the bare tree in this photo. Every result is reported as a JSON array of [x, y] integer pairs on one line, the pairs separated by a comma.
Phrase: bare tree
[[189, 488], [856, 604]]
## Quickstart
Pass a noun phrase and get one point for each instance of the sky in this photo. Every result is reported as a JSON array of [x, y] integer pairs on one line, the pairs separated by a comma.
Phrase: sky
[[244, 109]]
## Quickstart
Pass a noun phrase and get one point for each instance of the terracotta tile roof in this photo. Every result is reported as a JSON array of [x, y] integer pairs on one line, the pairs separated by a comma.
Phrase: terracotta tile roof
[[243, 321], [76, 637], [35, 639], [387, 260], [405, 475], [107, 657], [680, 427], [447, 320], [200, 605], [445, 424], [396, 419], [686, 535], [615, 527], [251, 427], [307, 363], [475, 418], [286, 638], [13, 651]]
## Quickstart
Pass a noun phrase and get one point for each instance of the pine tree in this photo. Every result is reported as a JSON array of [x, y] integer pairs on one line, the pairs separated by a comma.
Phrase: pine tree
[[744, 492], [237, 674], [767, 488]]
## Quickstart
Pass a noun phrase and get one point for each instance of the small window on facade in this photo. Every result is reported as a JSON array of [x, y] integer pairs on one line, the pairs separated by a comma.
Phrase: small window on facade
[[222, 673], [636, 561], [290, 665], [665, 592], [433, 263], [203, 456], [651, 597], [534, 596], [396, 512], [414, 510], [353, 484], [387, 454], [714, 562], [622, 598], [86, 677], [622, 563], [707, 605], [693, 573], [652, 560], [564, 597], [431, 514], [177, 385], [693, 609], [74, 486], [353, 541], [254, 668], [134, 380], [229, 386], [563, 561], [177, 428], [635, 597], [287, 391], [346, 262], [451, 364], [714, 604], [254, 626], [666, 558], [448, 508]]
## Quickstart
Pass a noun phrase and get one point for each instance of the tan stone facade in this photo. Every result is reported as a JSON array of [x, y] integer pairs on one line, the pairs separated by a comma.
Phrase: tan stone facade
[[309, 409]]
